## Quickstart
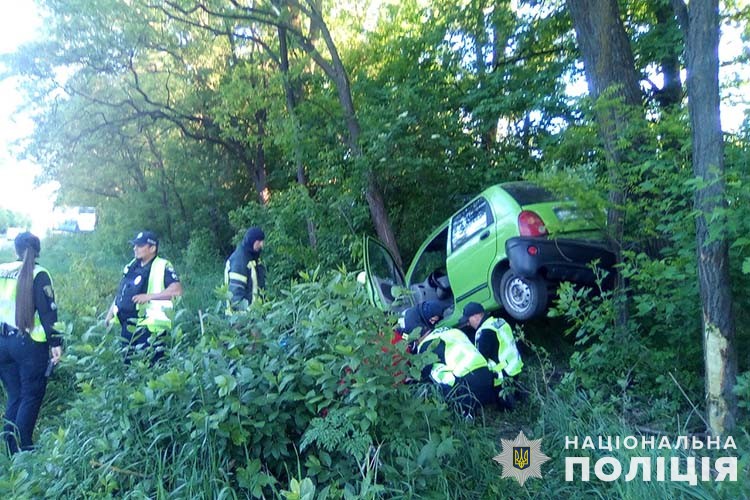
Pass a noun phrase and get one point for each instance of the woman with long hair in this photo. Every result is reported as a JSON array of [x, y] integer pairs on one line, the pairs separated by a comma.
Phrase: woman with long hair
[[29, 344]]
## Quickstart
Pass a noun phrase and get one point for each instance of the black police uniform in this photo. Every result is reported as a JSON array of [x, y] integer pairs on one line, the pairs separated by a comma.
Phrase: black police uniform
[[134, 282], [23, 363]]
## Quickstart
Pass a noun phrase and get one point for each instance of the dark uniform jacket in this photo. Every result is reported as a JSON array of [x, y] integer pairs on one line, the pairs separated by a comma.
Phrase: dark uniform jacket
[[135, 281], [238, 273]]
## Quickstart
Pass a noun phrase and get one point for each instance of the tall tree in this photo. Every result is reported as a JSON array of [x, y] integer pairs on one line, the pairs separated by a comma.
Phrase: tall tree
[[325, 54], [610, 72], [701, 24]]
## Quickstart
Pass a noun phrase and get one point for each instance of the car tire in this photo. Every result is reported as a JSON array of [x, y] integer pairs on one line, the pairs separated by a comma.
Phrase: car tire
[[522, 298]]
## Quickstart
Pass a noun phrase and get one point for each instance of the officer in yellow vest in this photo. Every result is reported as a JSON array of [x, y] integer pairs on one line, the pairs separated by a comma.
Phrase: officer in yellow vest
[[244, 274], [144, 297], [29, 344], [460, 371], [494, 339]]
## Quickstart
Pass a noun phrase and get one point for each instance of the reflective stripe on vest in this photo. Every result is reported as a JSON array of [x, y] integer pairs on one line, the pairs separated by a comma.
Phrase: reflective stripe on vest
[[153, 314], [252, 266], [8, 286], [461, 357], [509, 359]]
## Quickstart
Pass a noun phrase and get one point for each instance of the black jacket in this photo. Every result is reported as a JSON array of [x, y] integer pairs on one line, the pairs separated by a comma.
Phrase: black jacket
[[238, 274]]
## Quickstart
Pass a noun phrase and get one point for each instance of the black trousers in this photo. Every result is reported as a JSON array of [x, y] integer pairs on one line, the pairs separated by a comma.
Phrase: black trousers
[[22, 365], [135, 340], [472, 390]]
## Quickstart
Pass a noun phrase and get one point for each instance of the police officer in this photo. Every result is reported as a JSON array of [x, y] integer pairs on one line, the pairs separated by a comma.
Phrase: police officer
[[244, 274], [29, 344], [424, 316], [494, 340], [144, 296], [460, 371]]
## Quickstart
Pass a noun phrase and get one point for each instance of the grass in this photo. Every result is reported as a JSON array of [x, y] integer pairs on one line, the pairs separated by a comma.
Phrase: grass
[[93, 385]]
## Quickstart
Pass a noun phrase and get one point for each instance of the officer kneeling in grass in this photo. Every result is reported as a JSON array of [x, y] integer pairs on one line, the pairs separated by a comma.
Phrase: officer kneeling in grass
[[460, 371], [144, 295], [494, 340]]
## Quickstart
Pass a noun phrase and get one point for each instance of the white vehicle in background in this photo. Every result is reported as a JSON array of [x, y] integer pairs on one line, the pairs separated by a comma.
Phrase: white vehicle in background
[[86, 218], [75, 219]]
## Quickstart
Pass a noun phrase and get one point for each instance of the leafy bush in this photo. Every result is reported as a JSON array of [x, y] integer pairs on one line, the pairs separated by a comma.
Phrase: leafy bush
[[614, 364], [303, 387], [285, 222]]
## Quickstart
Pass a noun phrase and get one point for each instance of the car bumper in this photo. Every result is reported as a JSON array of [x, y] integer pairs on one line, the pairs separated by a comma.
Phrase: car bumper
[[558, 259]]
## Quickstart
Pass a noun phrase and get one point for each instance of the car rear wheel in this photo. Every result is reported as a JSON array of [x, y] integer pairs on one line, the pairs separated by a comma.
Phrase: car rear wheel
[[522, 298]]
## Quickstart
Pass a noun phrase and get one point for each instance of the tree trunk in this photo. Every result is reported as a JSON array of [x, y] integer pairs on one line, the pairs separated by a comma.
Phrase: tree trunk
[[712, 250], [610, 72], [261, 178], [336, 71]]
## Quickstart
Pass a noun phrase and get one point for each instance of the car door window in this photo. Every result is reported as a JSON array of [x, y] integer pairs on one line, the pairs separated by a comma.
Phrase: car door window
[[383, 267], [469, 221]]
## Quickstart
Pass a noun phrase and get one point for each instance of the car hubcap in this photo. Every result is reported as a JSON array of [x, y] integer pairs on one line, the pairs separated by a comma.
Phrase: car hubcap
[[518, 294]]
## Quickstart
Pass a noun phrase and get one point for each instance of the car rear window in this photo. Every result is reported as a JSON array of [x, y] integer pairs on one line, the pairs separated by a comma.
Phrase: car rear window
[[527, 194]]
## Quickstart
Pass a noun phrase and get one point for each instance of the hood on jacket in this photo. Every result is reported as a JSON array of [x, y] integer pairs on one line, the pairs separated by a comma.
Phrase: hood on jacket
[[251, 236]]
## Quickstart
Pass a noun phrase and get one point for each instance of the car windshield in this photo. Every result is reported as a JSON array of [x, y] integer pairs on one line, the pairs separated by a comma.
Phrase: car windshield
[[528, 194]]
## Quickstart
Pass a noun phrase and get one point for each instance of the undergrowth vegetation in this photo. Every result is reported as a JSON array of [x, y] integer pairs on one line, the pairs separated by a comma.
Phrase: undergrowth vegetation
[[303, 397]]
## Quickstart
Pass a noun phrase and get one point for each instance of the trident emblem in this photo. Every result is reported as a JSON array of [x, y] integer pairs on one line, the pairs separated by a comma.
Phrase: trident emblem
[[521, 457]]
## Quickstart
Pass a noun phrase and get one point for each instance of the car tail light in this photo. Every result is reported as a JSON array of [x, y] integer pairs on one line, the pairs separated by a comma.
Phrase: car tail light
[[530, 224]]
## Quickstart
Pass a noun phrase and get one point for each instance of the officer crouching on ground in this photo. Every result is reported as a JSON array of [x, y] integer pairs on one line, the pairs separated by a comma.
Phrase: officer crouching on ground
[[494, 340], [144, 295], [424, 316], [460, 371], [29, 344]]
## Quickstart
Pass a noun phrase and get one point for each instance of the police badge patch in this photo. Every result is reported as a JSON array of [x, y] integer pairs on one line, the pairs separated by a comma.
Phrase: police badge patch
[[521, 458]]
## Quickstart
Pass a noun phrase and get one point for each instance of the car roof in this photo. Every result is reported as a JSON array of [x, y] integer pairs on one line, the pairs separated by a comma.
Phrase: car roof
[[528, 193]]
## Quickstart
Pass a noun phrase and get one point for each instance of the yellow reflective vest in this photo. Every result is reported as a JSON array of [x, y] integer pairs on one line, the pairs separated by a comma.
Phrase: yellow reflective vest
[[461, 357], [153, 315], [8, 286], [509, 359]]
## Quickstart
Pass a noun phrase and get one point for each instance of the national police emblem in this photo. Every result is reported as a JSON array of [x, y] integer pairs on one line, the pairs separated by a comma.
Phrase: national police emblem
[[521, 458]]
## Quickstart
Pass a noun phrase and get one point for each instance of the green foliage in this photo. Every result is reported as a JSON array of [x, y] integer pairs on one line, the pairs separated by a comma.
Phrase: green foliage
[[10, 218], [177, 124], [613, 364], [84, 277], [742, 390], [337, 223], [201, 270], [240, 402]]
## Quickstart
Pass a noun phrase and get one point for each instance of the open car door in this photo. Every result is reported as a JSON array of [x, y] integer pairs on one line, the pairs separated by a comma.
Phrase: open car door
[[384, 279]]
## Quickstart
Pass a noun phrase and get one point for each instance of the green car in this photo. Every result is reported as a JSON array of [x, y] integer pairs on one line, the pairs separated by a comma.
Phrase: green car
[[507, 248]]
